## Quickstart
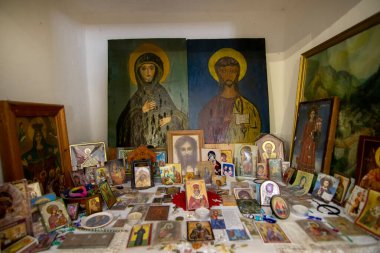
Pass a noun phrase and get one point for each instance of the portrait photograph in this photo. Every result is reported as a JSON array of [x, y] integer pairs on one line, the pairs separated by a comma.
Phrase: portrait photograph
[[245, 160], [318, 231], [324, 73], [267, 190], [140, 235], [314, 135], [107, 194], [302, 183], [368, 163], [356, 201], [370, 215], [93, 204], [233, 109], [228, 169], [199, 231], [196, 194], [272, 233], [147, 91], [171, 173], [184, 147], [87, 155], [117, 171], [325, 187], [54, 215], [168, 232], [269, 146], [78, 177], [142, 177], [206, 171], [275, 168]]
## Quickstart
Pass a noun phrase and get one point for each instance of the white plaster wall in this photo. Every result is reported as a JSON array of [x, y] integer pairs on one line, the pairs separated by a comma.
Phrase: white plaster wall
[[56, 51]]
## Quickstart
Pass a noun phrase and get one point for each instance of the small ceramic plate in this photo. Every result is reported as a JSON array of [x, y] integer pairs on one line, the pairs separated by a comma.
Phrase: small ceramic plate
[[97, 220], [280, 207]]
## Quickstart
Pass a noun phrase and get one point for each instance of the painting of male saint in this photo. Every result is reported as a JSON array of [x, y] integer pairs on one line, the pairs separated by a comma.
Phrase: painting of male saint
[[228, 79], [147, 91]]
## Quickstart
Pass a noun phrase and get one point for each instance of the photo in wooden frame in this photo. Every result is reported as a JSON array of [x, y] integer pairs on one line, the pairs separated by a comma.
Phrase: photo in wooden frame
[[142, 176], [184, 147], [324, 74], [314, 134], [20, 124]]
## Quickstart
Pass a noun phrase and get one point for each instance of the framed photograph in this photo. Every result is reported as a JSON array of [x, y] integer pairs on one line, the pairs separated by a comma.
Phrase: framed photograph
[[168, 232], [87, 155], [280, 207], [140, 235], [370, 215], [342, 188], [325, 187], [267, 189], [269, 146], [54, 215], [272, 233], [142, 176], [356, 201], [243, 193], [368, 162], [199, 231], [117, 171], [275, 168], [102, 175], [206, 170], [246, 160], [93, 204], [107, 194], [157, 213], [171, 173], [314, 134], [262, 171], [78, 177], [318, 231], [196, 194], [323, 74], [34, 142], [228, 169], [302, 183], [72, 210], [184, 147]]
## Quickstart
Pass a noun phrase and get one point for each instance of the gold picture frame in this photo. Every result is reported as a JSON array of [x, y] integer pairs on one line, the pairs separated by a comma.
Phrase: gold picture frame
[[13, 131]]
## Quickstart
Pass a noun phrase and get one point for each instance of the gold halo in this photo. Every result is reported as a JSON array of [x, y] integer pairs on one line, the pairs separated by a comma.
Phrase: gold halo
[[270, 142], [148, 48], [377, 157], [223, 53]]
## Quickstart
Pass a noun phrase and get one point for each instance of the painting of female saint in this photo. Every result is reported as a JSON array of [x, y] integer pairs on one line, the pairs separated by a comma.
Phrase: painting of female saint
[[147, 91], [40, 153], [314, 135], [228, 79]]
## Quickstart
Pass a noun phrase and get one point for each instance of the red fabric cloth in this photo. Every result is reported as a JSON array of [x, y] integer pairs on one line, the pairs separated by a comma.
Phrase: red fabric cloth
[[180, 199]]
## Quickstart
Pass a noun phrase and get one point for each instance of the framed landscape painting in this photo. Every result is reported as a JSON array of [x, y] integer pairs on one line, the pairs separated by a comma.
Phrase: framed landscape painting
[[346, 66], [34, 144], [313, 137]]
